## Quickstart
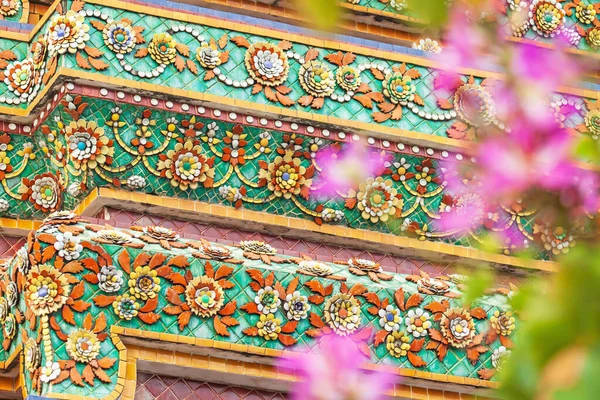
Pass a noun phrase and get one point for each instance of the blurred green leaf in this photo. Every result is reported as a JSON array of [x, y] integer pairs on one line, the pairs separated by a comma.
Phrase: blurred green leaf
[[435, 12], [587, 149], [324, 14], [559, 327], [476, 285]]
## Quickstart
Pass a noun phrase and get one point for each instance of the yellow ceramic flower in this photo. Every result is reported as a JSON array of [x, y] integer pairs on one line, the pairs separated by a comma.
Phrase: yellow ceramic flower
[[286, 177], [162, 48], [47, 290], [397, 344], [144, 283], [378, 200], [503, 322], [342, 314], [83, 346], [204, 296], [186, 166], [269, 327]]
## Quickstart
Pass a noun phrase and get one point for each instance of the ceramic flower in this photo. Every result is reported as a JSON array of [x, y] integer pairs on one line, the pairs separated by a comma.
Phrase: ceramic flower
[[46, 290], [83, 346], [268, 326], [204, 296], [43, 191], [4, 309], [136, 182], [126, 307], [110, 279], [296, 306], [144, 283], [474, 105], [342, 314], [216, 252], [316, 79], [21, 78], [399, 89], [160, 233], [389, 318], [186, 166], [556, 240], [285, 176], [336, 370], [111, 236], [592, 123], [38, 51], [593, 37], [433, 286], [68, 246], [428, 45], [378, 200], [315, 267], [585, 13], [331, 215], [546, 17], [267, 300], [398, 5], [8, 8], [61, 217], [348, 78], [417, 322], [88, 145], [499, 357], [162, 48], [9, 327], [12, 294], [4, 206], [457, 327], [67, 33], [208, 55], [503, 322], [267, 64], [31, 355], [397, 343], [119, 36], [257, 247], [50, 371]]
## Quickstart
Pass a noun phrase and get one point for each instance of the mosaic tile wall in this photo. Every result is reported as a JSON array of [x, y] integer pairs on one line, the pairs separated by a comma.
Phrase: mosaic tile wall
[[139, 278], [216, 61], [202, 155]]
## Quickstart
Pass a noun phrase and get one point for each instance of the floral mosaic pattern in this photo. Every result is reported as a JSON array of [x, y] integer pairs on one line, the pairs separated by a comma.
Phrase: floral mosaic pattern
[[88, 143], [146, 286], [577, 21], [354, 87], [14, 10]]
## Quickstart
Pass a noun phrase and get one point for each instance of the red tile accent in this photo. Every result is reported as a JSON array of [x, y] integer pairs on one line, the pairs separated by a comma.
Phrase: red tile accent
[[168, 388]]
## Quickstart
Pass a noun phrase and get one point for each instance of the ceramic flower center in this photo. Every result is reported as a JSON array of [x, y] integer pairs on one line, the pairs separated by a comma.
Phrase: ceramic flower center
[[145, 283]]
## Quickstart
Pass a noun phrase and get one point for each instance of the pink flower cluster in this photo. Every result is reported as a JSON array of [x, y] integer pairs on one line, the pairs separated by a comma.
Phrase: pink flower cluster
[[335, 371], [532, 157]]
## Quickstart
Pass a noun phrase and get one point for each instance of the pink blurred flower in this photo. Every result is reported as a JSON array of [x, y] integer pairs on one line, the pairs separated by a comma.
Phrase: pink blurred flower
[[346, 168], [335, 372], [466, 43]]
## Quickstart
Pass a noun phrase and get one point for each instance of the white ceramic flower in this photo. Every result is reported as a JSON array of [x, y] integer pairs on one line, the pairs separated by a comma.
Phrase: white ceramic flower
[[68, 246]]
